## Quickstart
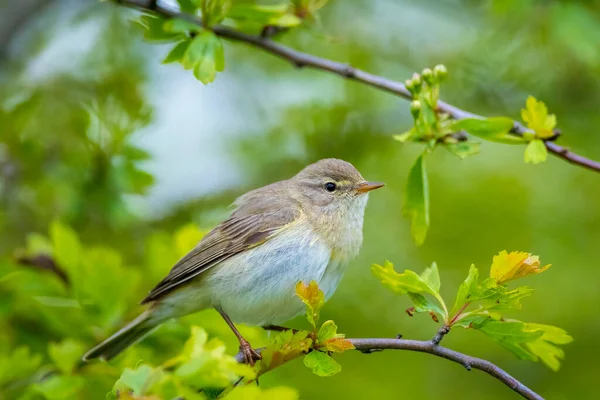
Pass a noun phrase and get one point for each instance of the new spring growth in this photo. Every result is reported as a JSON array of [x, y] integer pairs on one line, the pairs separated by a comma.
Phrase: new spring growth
[[440, 72], [414, 84], [415, 108], [427, 75]]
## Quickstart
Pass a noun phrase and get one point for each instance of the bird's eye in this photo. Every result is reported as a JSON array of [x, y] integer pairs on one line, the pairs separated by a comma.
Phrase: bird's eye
[[330, 186]]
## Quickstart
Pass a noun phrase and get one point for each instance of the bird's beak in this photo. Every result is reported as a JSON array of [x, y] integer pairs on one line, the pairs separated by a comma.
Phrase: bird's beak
[[365, 187]]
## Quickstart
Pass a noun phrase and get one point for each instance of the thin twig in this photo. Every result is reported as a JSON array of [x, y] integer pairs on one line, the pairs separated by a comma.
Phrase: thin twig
[[367, 346], [300, 60], [443, 331]]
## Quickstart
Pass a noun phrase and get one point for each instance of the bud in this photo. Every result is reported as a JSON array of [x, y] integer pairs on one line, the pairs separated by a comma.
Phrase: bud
[[410, 85], [528, 136], [415, 108], [414, 84], [427, 74], [440, 72]]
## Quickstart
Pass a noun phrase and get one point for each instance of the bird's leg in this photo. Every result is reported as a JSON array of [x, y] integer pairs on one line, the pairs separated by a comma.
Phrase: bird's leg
[[250, 355]]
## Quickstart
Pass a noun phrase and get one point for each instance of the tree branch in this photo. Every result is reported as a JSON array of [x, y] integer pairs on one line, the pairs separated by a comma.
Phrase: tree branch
[[300, 60], [368, 346]]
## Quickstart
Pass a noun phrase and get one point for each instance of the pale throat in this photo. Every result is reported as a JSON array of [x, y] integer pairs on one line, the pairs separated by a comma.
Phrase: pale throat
[[343, 228]]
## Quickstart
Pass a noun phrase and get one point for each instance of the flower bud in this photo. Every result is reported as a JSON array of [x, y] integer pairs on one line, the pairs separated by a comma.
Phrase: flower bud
[[440, 72], [417, 83], [415, 108], [427, 74], [410, 85]]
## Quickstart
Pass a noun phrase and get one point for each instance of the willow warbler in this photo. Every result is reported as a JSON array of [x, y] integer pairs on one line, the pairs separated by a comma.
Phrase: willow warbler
[[305, 228]]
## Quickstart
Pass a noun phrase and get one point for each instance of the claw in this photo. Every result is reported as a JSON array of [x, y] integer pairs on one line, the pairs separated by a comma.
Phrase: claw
[[250, 355]]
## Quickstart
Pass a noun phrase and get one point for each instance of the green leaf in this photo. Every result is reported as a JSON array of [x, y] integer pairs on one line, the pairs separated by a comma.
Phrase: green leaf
[[321, 364], [205, 56], [495, 129], [194, 346], [407, 282], [60, 387], [139, 380], [527, 340], [67, 249], [134, 153], [463, 149], [66, 354], [329, 340], [536, 152], [273, 15], [413, 285], [466, 289], [154, 29], [195, 50], [416, 204], [422, 304], [188, 6], [283, 347], [404, 137], [327, 331], [18, 364], [178, 25], [431, 276], [545, 348], [204, 364], [176, 54]]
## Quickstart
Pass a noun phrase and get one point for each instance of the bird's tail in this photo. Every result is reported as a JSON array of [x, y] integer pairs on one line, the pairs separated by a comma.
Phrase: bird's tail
[[132, 333]]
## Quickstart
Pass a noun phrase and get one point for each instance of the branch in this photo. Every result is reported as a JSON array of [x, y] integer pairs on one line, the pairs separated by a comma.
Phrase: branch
[[300, 60], [367, 346]]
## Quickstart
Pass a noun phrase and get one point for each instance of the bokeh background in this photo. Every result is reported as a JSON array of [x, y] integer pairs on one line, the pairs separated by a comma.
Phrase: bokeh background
[[94, 131]]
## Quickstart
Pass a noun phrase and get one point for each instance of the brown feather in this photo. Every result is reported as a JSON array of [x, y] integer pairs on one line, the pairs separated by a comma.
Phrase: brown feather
[[247, 227]]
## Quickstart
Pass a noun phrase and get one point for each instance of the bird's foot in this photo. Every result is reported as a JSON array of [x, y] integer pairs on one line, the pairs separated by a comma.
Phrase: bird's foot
[[250, 355]]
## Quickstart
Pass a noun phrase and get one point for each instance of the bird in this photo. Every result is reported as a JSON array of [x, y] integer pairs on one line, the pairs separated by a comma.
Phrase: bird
[[306, 228]]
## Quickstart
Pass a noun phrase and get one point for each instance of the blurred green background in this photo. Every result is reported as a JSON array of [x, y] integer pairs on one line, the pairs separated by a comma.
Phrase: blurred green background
[[94, 131]]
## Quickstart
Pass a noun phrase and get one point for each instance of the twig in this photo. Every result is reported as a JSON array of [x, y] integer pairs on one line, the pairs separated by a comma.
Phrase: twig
[[367, 346], [443, 331], [301, 60]]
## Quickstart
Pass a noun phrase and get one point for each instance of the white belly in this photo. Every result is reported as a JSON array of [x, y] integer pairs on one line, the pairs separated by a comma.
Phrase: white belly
[[257, 287]]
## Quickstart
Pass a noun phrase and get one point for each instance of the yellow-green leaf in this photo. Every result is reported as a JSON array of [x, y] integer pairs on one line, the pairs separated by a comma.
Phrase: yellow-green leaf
[[329, 340], [337, 345], [495, 129], [516, 264], [416, 203], [283, 347], [404, 137], [414, 285], [536, 152], [466, 289], [66, 354], [67, 249], [327, 331], [321, 364], [535, 114], [527, 341], [314, 299], [463, 149], [176, 54]]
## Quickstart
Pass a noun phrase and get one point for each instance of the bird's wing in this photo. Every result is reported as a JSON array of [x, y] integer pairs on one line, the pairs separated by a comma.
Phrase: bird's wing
[[231, 237]]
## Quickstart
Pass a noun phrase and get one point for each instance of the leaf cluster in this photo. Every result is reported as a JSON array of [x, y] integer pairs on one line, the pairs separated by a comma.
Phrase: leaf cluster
[[434, 129], [481, 305]]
